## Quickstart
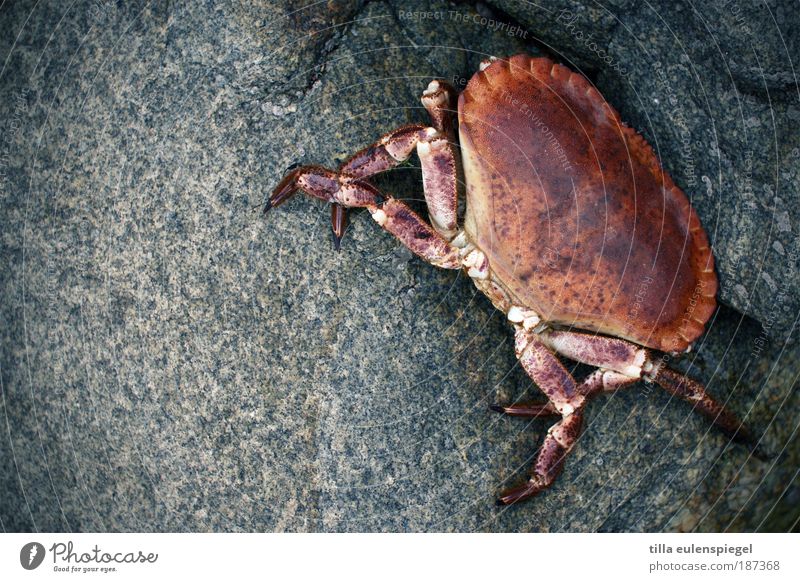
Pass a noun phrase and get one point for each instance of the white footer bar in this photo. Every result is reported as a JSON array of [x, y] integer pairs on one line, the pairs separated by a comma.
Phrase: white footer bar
[[484, 557]]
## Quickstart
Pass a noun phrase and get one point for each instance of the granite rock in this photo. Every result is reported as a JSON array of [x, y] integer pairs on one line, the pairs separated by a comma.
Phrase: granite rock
[[172, 361]]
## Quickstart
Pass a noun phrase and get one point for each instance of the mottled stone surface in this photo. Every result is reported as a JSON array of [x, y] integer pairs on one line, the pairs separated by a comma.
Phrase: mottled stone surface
[[171, 361]]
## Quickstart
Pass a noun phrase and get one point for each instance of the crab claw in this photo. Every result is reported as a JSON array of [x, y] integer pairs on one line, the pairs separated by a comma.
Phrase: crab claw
[[338, 223], [284, 190], [529, 489], [527, 410]]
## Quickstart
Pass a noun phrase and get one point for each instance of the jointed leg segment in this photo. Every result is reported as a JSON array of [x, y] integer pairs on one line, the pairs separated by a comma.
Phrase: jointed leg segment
[[350, 188], [620, 364], [546, 371], [550, 460], [565, 399], [693, 392], [392, 215], [640, 363]]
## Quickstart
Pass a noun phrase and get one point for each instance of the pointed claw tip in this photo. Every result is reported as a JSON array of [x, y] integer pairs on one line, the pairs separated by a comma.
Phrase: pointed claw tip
[[338, 223], [284, 190], [521, 493], [267, 207], [509, 499], [497, 408]]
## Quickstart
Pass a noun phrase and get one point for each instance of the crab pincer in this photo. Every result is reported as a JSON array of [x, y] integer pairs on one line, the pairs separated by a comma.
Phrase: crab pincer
[[391, 214], [315, 181], [285, 189], [338, 224], [324, 184]]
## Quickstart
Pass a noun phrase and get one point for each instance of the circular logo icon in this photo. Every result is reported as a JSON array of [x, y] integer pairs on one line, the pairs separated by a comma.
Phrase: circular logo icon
[[31, 555]]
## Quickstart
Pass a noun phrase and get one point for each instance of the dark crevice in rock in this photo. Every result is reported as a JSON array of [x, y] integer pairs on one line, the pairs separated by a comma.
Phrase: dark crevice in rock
[[490, 10], [392, 6]]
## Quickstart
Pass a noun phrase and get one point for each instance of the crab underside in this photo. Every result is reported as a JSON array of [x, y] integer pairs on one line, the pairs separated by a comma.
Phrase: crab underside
[[541, 151]]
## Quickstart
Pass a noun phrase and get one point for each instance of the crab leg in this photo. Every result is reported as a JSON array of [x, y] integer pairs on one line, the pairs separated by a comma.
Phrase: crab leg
[[436, 151], [693, 392], [528, 409], [596, 382], [604, 381], [636, 362], [562, 436], [439, 99], [565, 399], [338, 223], [556, 446], [391, 150], [594, 350], [437, 155], [391, 214], [546, 371], [397, 146], [621, 364]]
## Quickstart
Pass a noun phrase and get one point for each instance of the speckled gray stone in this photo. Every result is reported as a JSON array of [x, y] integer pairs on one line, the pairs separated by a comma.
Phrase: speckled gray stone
[[172, 361]]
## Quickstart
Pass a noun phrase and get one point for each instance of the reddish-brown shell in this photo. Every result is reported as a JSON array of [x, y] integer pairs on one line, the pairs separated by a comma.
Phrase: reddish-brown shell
[[576, 215]]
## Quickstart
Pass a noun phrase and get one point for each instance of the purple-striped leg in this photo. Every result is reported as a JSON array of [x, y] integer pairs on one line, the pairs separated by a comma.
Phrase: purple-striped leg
[[397, 146], [600, 351], [439, 164], [552, 378], [604, 381], [565, 398], [693, 392], [388, 152], [338, 223], [439, 98]]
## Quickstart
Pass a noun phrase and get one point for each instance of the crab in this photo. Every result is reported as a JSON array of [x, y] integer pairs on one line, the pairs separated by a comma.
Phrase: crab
[[571, 228]]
